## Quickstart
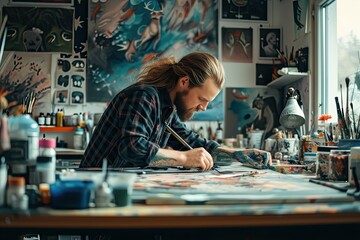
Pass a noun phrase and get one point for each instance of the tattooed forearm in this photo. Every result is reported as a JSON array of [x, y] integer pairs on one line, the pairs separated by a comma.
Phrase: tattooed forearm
[[160, 160], [222, 155]]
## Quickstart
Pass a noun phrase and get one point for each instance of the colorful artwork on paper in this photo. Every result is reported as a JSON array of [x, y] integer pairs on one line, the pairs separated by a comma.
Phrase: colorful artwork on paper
[[39, 29], [124, 35], [28, 74], [232, 183]]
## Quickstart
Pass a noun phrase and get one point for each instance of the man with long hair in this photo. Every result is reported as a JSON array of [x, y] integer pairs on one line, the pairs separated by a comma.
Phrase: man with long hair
[[132, 130]]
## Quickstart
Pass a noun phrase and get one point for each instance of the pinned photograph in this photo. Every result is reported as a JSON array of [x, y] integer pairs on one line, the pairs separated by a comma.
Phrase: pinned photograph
[[270, 42], [61, 96]]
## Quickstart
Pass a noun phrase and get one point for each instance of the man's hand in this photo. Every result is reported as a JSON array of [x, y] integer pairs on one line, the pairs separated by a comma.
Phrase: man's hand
[[198, 158], [194, 158]]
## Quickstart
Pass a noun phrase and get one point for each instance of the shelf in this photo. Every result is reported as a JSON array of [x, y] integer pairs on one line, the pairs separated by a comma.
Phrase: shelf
[[57, 129], [287, 79]]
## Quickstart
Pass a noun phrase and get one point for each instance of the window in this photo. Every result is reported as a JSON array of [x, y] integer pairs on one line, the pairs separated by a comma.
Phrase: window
[[338, 42]]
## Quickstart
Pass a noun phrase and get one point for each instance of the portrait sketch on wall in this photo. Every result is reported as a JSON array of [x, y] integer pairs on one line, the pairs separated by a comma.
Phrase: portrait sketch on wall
[[237, 44], [270, 42], [39, 29], [254, 10], [120, 41]]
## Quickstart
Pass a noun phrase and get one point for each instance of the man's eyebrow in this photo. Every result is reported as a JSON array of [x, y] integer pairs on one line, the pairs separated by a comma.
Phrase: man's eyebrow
[[204, 99]]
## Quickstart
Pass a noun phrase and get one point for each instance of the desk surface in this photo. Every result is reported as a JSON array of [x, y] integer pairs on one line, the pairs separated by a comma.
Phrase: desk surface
[[253, 207]]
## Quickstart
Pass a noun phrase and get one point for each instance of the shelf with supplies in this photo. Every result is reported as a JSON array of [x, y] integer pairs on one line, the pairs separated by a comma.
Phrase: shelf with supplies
[[57, 129], [289, 78]]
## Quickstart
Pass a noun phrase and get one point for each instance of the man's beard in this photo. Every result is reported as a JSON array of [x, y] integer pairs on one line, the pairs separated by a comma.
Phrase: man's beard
[[183, 113]]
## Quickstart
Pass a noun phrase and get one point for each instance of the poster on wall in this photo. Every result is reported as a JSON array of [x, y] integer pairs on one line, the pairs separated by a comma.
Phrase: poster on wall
[[28, 76], [301, 13], [237, 44], [270, 42], [125, 35], [39, 29], [265, 73], [251, 109], [255, 10], [70, 81], [43, 2]]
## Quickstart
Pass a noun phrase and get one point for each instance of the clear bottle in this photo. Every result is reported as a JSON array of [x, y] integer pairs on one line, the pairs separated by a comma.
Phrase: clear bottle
[[78, 138], [3, 179]]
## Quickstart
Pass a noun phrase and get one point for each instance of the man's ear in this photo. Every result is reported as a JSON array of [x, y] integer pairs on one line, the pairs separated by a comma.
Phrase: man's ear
[[184, 82]]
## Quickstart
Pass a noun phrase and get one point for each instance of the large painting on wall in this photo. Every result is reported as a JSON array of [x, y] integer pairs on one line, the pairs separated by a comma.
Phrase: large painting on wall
[[37, 29], [249, 109], [124, 35]]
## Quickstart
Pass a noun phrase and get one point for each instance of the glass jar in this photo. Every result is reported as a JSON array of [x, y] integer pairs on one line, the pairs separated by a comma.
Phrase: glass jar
[[322, 161], [339, 165]]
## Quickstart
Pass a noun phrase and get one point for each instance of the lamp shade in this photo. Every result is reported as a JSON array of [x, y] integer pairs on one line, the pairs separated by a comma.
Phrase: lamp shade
[[292, 116]]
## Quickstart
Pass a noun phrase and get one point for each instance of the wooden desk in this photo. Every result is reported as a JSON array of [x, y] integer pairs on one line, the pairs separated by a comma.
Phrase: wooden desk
[[328, 220]]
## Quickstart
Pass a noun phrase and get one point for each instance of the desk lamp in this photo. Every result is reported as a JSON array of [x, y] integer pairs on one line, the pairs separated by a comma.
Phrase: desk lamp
[[292, 115]]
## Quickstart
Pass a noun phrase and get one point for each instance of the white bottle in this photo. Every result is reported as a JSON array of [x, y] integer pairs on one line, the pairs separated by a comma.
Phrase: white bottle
[[46, 162]]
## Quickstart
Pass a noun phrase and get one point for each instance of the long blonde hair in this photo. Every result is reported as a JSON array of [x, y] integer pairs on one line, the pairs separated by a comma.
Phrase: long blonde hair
[[198, 66]]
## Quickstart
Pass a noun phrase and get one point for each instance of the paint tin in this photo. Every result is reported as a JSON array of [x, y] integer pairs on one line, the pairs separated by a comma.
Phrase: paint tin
[[354, 162], [339, 165], [322, 161]]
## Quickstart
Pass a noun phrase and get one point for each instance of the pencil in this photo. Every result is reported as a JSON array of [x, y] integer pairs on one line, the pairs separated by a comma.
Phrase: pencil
[[182, 141]]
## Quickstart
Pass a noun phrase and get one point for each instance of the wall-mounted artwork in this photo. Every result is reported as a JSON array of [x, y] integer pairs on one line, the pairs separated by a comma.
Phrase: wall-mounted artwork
[[61, 97], [270, 42], [265, 73], [301, 13], [237, 44], [28, 74], [124, 35], [254, 10], [70, 82], [251, 108], [39, 29], [43, 2], [214, 111]]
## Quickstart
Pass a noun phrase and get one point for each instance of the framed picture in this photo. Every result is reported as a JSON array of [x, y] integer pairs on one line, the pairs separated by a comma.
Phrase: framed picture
[[270, 42], [237, 44], [61, 97], [254, 10], [265, 73], [44, 2], [37, 28]]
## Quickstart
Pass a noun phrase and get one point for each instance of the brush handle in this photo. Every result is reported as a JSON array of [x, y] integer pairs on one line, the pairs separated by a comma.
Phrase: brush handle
[[344, 130]]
